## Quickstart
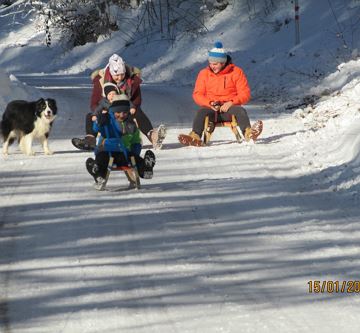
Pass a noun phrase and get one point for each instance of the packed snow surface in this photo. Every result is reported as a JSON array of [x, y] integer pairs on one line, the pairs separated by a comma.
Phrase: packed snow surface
[[251, 237]]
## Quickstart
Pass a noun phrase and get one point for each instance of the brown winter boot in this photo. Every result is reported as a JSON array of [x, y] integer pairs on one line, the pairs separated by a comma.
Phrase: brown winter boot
[[88, 143], [256, 129], [154, 137], [252, 133], [192, 139]]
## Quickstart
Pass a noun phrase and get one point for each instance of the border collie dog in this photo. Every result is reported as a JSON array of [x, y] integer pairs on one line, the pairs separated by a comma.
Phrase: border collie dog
[[26, 121]]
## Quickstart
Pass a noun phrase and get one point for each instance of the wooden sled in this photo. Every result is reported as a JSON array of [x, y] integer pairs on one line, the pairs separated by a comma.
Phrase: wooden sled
[[209, 128], [130, 171]]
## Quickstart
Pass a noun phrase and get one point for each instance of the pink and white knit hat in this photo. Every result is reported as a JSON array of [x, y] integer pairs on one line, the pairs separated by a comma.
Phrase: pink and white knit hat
[[116, 65]]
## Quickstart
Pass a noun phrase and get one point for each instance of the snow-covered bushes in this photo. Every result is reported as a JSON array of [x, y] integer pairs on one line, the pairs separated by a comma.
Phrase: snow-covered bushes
[[80, 22]]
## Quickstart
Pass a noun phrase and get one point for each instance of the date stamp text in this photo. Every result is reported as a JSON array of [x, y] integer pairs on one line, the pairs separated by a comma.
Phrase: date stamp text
[[333, 287]]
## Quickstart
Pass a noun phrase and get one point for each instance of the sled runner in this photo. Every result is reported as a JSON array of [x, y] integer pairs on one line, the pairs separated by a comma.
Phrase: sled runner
[[209, 128], [130, 171], [252, 134]]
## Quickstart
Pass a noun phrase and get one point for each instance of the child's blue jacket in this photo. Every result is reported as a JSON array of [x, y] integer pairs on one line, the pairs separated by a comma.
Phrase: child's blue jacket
[[113, 137]]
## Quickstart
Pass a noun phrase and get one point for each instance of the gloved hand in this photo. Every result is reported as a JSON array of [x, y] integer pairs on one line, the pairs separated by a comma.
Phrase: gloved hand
[[103, 118], [130, 127], [215, 105]]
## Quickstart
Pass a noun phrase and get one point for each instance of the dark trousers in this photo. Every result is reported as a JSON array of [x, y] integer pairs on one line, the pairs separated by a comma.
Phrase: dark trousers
[[142, 121], [102, 160], [239, 112], [140, 117], [89, 125]]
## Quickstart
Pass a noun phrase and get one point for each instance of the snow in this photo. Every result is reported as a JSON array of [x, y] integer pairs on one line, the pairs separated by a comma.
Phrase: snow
[[224, 238]]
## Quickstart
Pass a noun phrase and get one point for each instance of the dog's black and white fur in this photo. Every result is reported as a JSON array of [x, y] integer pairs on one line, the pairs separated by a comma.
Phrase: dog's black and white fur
[[26, 121]]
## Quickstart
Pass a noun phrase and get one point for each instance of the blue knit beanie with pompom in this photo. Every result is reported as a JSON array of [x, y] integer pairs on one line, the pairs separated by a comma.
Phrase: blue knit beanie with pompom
[[217, 53]]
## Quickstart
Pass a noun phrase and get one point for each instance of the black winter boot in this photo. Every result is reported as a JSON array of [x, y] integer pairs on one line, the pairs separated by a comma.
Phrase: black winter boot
[[88, 143], [149, 161], [92, 168]]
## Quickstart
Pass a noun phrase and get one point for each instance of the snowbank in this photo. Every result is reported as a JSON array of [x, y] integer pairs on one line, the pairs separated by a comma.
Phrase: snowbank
[[345, 73], [333, 127], [11, 88]]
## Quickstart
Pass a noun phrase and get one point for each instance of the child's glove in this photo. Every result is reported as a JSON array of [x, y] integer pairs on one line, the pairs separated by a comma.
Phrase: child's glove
[[103, 119], [130, 127]]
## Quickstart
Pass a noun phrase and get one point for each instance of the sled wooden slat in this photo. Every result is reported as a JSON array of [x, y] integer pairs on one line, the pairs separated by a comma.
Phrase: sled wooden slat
[[231, 124], [131, 172]]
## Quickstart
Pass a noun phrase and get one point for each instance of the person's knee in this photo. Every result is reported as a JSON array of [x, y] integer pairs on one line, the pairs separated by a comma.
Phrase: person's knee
[[205, 111], [237, 110]]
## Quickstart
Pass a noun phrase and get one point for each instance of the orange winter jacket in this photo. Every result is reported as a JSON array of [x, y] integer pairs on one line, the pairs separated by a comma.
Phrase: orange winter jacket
[[228, 85]]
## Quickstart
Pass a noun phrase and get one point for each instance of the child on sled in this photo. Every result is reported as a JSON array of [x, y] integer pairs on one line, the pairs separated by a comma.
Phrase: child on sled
[[120, 139]]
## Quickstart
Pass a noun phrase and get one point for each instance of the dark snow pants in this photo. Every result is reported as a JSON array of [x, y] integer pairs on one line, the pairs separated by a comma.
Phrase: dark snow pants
[[238, 111]]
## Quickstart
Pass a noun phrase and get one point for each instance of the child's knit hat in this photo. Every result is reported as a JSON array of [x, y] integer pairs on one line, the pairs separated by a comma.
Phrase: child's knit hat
[[108, 87], [116, 65], [217, 53], [120, 106]]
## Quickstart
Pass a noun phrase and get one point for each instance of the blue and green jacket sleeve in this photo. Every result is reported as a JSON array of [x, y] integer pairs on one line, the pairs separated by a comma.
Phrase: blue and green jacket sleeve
[[117, 136]]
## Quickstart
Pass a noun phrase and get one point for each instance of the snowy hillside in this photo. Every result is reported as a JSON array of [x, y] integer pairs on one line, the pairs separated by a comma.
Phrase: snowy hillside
[[225, 238]]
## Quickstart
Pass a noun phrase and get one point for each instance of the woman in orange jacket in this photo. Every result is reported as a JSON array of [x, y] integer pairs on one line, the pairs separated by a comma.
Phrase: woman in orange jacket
[[220, 90]]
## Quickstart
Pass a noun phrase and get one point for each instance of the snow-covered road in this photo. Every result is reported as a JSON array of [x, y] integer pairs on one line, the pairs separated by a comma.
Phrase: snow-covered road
[[224, 238]]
